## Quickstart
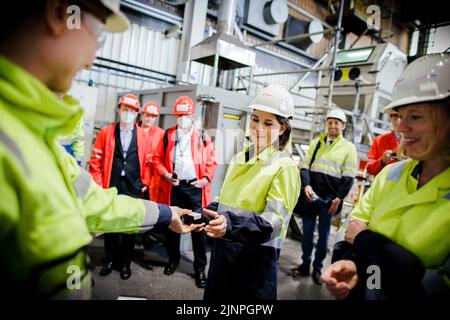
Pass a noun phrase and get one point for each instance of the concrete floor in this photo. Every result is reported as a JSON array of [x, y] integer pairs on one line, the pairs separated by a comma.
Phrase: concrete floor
[[155, 285]]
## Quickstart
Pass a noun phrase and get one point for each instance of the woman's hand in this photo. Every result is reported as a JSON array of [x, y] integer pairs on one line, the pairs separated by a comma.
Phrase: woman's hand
[[354, 228], [340, 278], [176, 225], [200, 183], [334, 206], [308, 193], [217, 227]]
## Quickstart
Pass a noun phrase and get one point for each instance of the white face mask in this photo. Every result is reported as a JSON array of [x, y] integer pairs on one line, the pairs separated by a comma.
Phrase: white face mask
[[127, 117], [184, 122]]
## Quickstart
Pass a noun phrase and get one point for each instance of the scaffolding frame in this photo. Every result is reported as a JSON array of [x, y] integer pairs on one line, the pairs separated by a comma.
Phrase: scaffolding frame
[[322, 109]]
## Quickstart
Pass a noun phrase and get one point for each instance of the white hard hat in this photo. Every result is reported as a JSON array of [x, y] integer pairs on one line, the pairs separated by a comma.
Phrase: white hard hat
[[116, 21], [337, 114], [424, 79], [274, 99]]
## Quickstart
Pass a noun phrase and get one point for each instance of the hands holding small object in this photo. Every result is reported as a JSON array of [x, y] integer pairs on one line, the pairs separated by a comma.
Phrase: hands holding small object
[[388, 156], [177, 225], [211, 222]]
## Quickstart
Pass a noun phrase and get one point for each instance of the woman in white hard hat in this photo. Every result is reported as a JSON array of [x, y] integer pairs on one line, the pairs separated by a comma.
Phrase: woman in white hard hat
[[252, 214], [399, 233]]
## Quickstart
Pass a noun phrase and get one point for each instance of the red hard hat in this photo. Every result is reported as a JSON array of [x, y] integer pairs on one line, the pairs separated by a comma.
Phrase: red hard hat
[[151, 108], [184, 105], [131, 101]]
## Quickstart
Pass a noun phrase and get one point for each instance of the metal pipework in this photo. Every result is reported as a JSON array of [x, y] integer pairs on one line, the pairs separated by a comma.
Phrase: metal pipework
[[288, 72], [292, 38], [336, 43], [226, 16]]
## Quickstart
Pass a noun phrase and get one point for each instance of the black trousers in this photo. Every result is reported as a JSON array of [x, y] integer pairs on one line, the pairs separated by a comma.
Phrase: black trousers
[[189, 197], [119, 248]]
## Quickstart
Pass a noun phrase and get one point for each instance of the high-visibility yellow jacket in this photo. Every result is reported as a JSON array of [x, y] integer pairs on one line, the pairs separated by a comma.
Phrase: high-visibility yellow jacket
[[48, 204], [74, 141], [416, 219], [332, 173], [408, 235], [258, 196]]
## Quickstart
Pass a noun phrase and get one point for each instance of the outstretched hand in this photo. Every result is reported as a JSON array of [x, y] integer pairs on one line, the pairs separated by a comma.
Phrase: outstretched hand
[[340, 278], [176, 225]]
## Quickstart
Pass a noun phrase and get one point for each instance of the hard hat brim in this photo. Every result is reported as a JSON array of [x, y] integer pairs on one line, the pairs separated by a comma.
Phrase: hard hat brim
[[269, 110], [413, 100], [337, 119], [116, 21]]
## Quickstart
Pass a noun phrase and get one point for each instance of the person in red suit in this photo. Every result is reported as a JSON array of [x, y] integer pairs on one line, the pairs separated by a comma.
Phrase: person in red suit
[[384, 147], [119, 160], [187, 164], [155, 134]]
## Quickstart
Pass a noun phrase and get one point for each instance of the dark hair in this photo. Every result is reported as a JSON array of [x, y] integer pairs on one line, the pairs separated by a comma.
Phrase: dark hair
[[13, 18], [284, 138]]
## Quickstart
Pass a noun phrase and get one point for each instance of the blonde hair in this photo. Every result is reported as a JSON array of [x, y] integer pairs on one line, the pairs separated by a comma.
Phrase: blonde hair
[[440, 113]]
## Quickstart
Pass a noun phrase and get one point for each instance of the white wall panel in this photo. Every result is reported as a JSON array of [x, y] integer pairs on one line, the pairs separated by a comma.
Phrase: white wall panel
[[139, 46]]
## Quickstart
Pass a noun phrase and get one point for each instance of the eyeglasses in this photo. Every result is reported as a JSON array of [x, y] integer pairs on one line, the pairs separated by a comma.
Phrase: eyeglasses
[[96, 28]]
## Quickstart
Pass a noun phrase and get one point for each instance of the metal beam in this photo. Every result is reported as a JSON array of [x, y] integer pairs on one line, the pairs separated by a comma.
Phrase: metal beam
[[333, 60], [292, 38], [306, 75], [153, 12], [290, 72]]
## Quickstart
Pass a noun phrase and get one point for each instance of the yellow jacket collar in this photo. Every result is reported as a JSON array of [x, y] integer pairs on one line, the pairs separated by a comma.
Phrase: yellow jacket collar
[[32, 102], [263, 156]]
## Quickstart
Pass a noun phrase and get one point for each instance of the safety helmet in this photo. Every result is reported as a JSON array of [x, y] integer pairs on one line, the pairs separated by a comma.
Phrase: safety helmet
[[151, 108], [116, 21], [337, 114], [274, 99], [424, 79], [131, 101], [184, 105]]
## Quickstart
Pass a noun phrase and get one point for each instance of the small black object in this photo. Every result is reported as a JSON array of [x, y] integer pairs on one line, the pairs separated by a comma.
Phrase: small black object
[[174, 175], [195, 218]]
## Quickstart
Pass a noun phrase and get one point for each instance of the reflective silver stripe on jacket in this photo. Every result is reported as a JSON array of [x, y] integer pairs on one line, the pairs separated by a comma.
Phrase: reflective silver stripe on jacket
[[151, 215], [305, 166], [12, 146], [276, 156], [224, 207], [276, 243], [82, 183], [325, 171], [396, 171], [347, 173], [328, 163], [269, 214]]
